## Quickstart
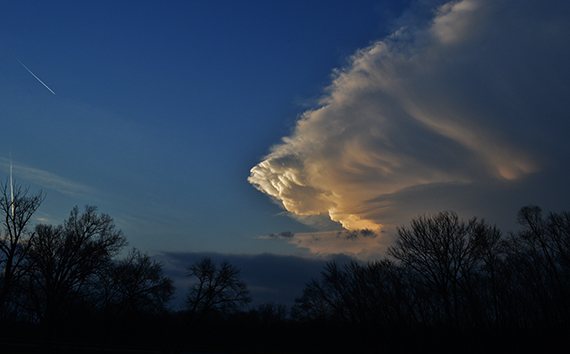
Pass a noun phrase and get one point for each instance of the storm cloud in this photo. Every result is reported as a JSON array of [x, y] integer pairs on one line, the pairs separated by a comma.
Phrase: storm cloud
[[269, 277], [468, 111]]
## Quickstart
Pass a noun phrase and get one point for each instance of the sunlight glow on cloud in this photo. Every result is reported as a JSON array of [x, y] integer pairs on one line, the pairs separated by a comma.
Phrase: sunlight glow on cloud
[[363, 244], [455, 21], [437, 106]]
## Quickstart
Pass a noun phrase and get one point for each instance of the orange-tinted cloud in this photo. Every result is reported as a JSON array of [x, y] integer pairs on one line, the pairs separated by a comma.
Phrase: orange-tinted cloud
[[447, 106]]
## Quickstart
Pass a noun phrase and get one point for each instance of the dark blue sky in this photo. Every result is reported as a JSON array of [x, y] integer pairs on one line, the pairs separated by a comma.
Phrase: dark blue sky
[[216, 126], [162, 108]]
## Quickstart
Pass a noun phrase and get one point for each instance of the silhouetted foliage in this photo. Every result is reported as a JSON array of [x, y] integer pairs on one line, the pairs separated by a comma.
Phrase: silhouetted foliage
[[17, 207], [462, 275], [375, 294], [271, 313], [448, 255], [453, 283], [447, 284], [215, 289], [540, 258], [65, 260], [134, 285]]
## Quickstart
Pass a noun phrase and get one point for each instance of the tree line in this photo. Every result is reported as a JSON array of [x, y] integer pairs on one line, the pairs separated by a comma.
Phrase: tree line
[[446, 272], [461, 279], [444, 276], [57, 278]]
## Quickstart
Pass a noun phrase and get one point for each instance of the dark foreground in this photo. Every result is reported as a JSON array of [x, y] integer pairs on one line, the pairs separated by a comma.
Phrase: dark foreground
[[292, 338]]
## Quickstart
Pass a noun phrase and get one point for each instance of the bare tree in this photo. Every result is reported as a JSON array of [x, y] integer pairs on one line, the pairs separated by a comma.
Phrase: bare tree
[[136, 284], [17, 207], [270, 313], [314, 304], [376, 294], [216, 288], [540, 254], [64, 260], [447, 253]]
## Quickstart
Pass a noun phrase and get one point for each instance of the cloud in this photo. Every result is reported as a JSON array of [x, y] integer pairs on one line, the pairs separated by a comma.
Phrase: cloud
[[48, 180], [269, 277], [362, 244], [456, 21], [472, 102], [284, 234]]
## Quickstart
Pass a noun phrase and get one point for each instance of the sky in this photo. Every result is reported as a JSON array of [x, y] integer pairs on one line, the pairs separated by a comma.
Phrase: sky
[[282, 134]]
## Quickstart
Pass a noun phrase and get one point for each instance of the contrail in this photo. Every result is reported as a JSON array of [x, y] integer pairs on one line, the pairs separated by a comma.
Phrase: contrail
[[37, 78], [11, 185]]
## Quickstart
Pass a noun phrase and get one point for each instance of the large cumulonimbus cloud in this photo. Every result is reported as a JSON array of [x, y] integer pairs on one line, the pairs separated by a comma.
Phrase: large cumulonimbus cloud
[[477, 99]]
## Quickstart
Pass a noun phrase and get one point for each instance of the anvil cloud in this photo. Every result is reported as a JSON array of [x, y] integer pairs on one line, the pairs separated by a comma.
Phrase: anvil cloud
[[471, 102]]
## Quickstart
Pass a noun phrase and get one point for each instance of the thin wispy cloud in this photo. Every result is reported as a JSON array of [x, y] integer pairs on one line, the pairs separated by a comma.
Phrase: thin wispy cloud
[[467, 102], [48, 180]]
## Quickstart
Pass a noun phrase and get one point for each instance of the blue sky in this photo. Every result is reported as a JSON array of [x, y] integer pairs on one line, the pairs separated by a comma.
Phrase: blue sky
[[269, 127], [162, 108]]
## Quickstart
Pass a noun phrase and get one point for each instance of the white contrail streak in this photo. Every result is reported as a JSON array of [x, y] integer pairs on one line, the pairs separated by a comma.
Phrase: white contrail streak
[[37, 78], [11, 185]]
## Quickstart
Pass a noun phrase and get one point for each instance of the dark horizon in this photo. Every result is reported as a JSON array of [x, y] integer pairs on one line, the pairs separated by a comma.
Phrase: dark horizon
[[445, 282]]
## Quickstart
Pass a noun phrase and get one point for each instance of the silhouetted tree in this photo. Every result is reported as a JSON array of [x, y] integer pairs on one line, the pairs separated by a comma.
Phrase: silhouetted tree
[[215, 288], [17, 207], [313, 305], [135, 285], [447, 254], [341, 291], [270, 313], [540, 256], [377, 294], [65, 260]]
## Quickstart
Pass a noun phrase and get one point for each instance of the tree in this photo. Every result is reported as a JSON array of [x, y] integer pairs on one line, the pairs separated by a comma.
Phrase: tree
[[135, 285], [540, 254], [270, 313], [17, 207], [215, 288], [375, 294], [313, 305], [447, 254], [65, 259]]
